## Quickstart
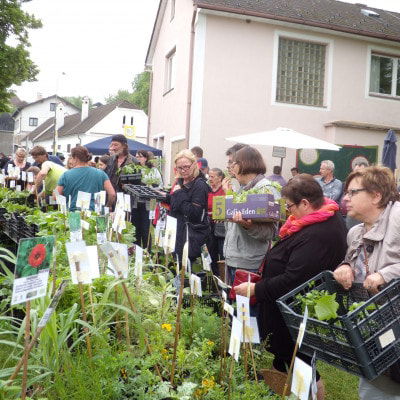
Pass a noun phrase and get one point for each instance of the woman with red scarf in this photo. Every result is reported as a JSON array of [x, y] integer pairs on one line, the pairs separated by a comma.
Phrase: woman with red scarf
[[313, 239]]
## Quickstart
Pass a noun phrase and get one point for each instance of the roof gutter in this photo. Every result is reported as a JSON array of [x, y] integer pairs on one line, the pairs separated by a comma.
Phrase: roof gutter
[[150, 71], [295, 21], [190, 77]]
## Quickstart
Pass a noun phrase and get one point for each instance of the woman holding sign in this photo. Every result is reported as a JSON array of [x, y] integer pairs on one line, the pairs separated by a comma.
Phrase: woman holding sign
[[313, 239], [85, 179], [373, 255]]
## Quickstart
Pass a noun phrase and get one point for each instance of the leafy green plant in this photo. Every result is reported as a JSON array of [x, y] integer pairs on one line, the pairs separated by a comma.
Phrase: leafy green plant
[[320, 304]]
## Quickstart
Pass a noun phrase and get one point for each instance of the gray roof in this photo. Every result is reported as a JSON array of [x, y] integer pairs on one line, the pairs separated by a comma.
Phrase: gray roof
[[73, 124], [329, 14], [24, 104]]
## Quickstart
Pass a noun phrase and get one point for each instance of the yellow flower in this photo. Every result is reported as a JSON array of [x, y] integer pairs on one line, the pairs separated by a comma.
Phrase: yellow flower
[[167, 327], [165, 354], [208, 383], [210, 343]]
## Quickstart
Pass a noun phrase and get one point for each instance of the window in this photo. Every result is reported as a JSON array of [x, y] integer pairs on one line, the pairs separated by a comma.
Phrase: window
[[172, 10], [385, 75], [68, 148], [301, 72], [53, 106], [33, 122], [131, 120], [169, 71], [123, 120]]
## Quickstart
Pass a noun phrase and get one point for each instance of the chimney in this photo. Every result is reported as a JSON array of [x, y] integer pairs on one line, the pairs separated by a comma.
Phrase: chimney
[[85, 108], [59, 116]]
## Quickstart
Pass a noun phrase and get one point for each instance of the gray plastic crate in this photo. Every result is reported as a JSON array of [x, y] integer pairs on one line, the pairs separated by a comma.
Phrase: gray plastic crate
[[363, 342]]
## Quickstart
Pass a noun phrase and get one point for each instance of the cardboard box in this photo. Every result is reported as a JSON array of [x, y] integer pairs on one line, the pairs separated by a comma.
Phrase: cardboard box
[[262, 207]]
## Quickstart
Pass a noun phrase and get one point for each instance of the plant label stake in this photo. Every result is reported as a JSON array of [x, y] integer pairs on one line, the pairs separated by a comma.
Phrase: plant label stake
[[26, 346], [41, 325], [108, 249], [177, 324], [244, 318], [80, 287], [299, 340]]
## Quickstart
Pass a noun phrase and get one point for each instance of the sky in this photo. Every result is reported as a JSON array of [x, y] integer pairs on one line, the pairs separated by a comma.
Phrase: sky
[[100, 45], [96, 47]]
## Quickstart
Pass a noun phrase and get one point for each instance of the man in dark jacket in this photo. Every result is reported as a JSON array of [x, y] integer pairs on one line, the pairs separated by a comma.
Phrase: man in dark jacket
[[119, 158]]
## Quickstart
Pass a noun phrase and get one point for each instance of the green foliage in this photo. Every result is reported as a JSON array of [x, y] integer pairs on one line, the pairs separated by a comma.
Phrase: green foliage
[[15, 64], [320, 304], [77, 101], [241, 197], [326, 307], [140, 94]]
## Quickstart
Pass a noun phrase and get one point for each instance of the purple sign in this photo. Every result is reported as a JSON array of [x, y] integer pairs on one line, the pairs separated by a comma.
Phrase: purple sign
[[255, 206]]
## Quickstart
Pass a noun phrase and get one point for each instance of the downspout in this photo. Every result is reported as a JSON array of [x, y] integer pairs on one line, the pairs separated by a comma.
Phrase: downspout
[[150, 70], [190, 78]]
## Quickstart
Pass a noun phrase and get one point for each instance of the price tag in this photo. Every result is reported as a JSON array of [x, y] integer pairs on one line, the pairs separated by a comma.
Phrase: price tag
[[85, 224], [30, 177], [218, 207]]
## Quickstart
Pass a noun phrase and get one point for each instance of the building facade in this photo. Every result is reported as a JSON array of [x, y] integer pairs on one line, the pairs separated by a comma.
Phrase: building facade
[[219, 69]]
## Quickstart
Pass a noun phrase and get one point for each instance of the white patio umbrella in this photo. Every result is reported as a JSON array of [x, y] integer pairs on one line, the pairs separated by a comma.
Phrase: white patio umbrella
[[284, 137]]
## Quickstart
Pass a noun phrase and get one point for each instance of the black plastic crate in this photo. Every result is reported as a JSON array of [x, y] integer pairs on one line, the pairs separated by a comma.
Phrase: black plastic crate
[[133, 179], [143, 192], [363, 342]]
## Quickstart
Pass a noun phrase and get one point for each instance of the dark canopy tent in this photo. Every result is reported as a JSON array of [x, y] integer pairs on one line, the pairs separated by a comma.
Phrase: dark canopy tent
[[100, 147]]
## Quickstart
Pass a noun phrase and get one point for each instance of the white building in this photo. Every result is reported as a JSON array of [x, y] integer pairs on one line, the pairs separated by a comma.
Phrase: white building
[[120, 117], [28, 116]]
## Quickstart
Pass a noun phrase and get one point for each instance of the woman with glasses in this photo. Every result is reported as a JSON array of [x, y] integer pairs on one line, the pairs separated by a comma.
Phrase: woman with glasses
[[247, 240], [373, 254], [312, 239], [188, 204]]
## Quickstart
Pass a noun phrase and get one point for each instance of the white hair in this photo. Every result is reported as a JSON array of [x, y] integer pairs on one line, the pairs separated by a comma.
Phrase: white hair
[[329, 164]]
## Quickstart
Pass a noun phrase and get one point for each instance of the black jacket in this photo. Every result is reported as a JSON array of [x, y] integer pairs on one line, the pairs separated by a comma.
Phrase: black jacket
[[291, 262], [112, 169], [189, 204]]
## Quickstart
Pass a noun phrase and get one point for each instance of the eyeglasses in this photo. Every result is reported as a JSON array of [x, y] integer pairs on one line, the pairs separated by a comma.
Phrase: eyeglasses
[[352, 192], [184, 167], [289, 206]]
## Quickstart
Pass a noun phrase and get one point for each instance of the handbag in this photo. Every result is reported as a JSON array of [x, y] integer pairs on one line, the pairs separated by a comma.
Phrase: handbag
[[219, 229], [242, 276], [198, 234]]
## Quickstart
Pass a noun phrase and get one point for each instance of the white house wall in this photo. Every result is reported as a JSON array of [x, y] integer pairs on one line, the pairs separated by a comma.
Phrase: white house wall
[[41, 111], [169, 110], [113, 123]]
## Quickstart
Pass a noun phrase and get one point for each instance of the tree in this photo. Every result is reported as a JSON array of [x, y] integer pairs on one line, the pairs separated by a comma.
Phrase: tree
[[77, 101], [122, 94], [15, 64], [140, 94], [141, 90]]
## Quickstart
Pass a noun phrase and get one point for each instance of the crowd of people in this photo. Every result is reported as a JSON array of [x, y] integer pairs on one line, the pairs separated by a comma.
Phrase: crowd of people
[[351, 229]]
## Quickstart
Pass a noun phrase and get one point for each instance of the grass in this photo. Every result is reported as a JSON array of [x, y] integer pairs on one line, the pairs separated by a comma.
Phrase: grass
[[339, 384]]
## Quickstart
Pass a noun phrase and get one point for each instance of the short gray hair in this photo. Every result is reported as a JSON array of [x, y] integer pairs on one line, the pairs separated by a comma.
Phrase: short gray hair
[[329, 164]]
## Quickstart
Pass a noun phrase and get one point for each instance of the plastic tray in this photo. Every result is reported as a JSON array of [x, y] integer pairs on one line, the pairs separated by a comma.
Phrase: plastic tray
[[143, 192]]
